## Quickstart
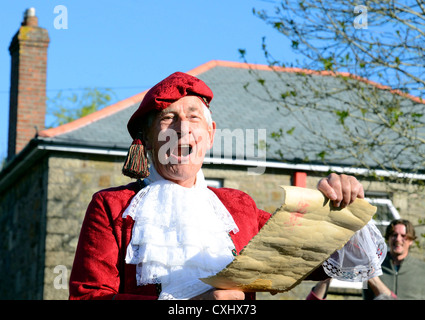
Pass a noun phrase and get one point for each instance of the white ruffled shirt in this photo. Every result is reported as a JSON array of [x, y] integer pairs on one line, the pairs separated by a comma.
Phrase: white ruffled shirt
[[179, 235], [361, 257]]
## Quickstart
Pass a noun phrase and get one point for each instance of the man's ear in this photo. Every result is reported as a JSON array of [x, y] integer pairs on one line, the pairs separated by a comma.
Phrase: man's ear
[[147, 126], [147, 139]]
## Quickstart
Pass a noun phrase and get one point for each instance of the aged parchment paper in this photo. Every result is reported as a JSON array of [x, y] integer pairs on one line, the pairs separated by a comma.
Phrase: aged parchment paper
[[297, 239]]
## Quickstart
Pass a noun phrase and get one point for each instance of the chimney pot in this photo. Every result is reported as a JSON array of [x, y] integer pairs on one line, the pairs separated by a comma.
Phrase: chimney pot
[[30, 18], [30, 12]]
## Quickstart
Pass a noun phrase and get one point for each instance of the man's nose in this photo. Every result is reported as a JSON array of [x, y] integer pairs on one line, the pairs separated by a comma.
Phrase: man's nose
[[183, 127]]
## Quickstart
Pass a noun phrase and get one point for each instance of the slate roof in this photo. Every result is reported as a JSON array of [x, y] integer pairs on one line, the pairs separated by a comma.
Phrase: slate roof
[[241, 104]]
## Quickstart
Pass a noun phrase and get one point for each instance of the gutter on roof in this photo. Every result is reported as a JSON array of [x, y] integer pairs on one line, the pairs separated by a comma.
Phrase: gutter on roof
[[81, 147], [19, 163], [314, 168], [38, 147]]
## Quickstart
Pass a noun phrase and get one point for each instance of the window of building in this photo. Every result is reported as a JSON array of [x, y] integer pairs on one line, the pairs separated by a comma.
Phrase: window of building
[[215, 183], [385, 213]]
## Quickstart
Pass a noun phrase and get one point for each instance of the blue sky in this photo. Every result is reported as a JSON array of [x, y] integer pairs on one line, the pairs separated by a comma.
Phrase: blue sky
[[130, 45]]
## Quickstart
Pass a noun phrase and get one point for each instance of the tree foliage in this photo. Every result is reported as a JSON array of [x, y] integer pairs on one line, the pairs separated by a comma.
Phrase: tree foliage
[[381, 124], [388, 45], [64, 108]]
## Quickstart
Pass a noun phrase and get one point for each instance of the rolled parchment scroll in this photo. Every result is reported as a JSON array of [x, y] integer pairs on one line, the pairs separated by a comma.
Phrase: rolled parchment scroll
[[297, 239]]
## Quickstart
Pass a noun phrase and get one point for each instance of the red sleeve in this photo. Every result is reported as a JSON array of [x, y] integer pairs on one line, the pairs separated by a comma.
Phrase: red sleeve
[[95, 272], [313, 296], [263, 217]]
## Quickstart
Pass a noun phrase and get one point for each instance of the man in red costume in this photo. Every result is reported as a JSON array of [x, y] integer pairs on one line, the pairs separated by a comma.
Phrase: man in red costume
[[154, 238]]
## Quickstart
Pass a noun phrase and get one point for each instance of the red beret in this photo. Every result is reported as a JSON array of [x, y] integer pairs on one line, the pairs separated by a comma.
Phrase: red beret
[[169, 90]]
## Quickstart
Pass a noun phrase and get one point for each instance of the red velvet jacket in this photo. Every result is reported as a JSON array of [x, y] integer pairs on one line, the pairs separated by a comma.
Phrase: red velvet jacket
[[100, 271]]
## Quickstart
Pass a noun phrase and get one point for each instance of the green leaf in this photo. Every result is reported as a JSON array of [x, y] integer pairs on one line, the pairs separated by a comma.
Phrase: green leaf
[[322, 155], [342, 115], [327, 63], [290, 131]]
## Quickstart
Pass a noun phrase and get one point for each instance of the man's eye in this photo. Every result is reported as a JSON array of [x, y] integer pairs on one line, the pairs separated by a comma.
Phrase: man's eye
[[167, 117]]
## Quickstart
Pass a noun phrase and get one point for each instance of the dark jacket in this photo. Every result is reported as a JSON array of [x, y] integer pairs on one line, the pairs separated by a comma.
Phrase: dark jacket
[[408, 282]]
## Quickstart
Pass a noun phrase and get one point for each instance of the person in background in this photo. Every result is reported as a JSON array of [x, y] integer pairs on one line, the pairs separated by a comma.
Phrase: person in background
[[403, 275]]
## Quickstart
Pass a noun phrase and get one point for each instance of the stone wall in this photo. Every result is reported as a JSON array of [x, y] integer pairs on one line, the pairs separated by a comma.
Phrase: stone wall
[[264, 189], [22, 234]]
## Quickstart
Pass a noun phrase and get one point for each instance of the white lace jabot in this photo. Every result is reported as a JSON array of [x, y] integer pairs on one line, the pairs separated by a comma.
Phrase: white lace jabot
[[179, 235], [361, 257]]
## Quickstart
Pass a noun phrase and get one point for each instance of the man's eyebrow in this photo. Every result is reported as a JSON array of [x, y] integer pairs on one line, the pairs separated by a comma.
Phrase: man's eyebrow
[[194, 108], [165, 111]]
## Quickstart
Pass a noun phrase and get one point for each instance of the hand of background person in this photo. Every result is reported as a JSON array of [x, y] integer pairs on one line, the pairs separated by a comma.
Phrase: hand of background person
[[380, 289]]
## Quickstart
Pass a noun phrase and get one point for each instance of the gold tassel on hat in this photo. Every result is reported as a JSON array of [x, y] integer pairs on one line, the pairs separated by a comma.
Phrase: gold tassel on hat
[[136, 163]]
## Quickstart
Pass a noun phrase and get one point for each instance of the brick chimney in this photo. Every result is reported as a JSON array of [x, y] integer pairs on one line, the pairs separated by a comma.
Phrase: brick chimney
[[27, 108]]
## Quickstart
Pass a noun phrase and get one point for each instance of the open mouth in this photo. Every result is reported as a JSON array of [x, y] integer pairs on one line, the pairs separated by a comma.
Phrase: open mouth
[[183, 150]]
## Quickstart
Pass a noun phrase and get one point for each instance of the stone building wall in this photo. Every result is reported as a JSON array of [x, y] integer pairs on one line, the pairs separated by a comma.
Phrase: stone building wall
[[264, 189], [22, 234]]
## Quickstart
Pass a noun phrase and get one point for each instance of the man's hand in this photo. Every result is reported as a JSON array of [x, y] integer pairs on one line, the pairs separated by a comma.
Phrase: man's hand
[[342, 190], [215, 294]]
